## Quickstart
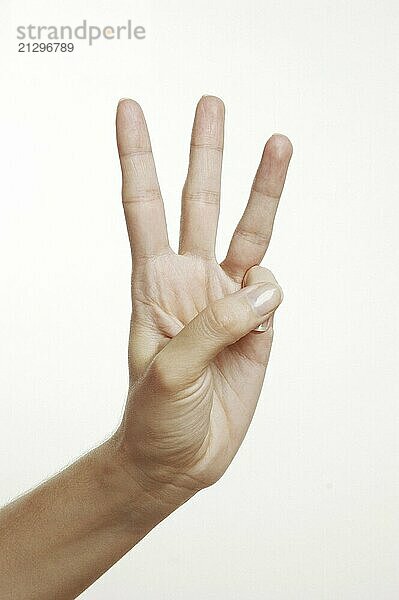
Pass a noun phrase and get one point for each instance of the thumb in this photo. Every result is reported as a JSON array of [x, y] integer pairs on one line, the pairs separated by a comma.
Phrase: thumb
[[258, 274], [219, 325]]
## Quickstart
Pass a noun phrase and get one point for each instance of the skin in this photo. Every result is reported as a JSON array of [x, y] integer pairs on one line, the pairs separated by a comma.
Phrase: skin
[[196, 365]]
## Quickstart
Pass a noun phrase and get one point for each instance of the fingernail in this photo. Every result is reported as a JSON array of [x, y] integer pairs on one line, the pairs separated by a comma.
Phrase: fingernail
[[264, 298], [266, 325]]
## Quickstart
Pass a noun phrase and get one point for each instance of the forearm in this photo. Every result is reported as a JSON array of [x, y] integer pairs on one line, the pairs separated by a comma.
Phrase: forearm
[[59, 538]]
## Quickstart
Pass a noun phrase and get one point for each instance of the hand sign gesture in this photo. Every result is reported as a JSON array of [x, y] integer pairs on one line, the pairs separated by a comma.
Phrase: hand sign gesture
[[199, 344], [201, 332]]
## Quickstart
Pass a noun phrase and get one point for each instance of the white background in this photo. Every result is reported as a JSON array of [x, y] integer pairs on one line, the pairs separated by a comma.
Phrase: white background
[[310, 507]]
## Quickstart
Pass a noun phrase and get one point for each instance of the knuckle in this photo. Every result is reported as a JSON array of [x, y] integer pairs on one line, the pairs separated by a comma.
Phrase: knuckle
[[224, 320], [267, 274], [219, 319], [258, 274]]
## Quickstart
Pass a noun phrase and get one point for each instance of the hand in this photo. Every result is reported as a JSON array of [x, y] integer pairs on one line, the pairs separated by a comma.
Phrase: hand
[[196, 369], [196, 364]]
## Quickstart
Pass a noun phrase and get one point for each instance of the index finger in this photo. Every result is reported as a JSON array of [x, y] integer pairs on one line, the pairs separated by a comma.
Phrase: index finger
[[141, 196]]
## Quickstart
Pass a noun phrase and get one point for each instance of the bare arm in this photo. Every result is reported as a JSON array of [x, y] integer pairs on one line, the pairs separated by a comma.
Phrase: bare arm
[[200, 339], [59, 538]]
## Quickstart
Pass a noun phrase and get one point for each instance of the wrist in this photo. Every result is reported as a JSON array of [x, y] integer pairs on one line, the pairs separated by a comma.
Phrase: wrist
[[142, 497]]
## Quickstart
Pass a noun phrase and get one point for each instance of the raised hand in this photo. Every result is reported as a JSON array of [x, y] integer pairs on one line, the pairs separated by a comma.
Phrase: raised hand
[[199, 344], [201, 332]]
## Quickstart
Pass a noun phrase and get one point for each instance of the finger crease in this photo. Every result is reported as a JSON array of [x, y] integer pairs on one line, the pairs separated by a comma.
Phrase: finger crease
[[254, 237], [135, 152], [266, 195], [202, 197], [207, 147], [142, 198]]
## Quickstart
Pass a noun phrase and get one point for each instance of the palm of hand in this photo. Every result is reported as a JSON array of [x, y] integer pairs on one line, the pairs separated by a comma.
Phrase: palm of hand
[[168, 294], [194, 428]]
